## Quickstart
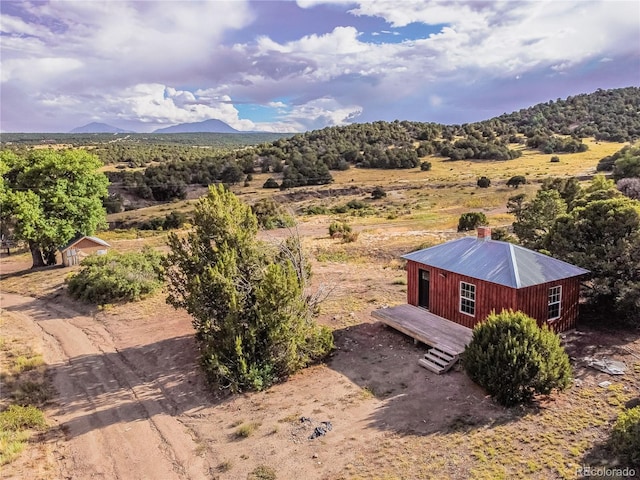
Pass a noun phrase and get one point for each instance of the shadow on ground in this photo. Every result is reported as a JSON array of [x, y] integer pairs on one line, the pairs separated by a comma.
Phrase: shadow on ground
[[128, 385], [413, 400]]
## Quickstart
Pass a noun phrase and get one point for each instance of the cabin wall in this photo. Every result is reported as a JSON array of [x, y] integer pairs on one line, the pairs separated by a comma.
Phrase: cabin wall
[[444, 294], [444, 297], [534, 302]]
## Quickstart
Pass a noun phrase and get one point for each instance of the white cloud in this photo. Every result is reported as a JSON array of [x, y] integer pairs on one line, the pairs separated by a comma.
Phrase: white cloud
[[139, 40], [165, 61], [157, 103]]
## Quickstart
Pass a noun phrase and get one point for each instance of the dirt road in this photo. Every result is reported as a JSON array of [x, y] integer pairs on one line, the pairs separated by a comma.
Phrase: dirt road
[[118, 421]]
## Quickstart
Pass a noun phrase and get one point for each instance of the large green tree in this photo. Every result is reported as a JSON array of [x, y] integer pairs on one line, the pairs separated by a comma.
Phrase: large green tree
[[534, 219], [251, 308], [603, 236], [50, 196]]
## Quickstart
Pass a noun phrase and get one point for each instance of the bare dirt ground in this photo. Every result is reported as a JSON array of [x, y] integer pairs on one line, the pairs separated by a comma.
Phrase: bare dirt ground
[[130, 402]]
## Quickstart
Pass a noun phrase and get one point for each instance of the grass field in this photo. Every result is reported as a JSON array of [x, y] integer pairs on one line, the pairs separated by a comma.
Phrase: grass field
[[474, 438]]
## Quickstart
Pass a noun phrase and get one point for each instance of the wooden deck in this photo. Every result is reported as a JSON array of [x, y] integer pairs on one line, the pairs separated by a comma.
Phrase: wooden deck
[[426, 327]]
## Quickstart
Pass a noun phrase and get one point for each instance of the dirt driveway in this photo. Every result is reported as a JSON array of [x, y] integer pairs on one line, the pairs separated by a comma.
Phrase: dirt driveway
[[117, 422], [131, 403]]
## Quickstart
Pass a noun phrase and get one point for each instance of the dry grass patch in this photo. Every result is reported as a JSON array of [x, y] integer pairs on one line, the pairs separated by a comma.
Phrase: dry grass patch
[[246, 430], [23, 389], [550, 443]]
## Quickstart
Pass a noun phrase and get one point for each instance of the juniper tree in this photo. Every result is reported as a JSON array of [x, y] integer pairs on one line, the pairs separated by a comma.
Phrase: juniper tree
[[253, 316], [514, 359]]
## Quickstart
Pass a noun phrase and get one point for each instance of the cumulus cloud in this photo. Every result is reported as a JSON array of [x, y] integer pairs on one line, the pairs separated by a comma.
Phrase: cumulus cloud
[[170, 62], [316, 114]]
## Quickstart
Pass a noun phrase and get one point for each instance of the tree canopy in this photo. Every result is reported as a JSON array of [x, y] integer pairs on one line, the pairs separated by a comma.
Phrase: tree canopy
[[50, 196], [596, 228]]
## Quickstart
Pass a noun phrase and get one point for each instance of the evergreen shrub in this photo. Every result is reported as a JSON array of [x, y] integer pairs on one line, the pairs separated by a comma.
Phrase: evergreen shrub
[[514, 359]]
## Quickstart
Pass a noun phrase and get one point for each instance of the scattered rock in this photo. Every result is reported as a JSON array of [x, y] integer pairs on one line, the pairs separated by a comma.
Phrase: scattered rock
[[604, 384]]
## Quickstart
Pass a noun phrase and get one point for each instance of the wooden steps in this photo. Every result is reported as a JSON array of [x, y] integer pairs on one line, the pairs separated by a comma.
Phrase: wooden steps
[[438, 359]]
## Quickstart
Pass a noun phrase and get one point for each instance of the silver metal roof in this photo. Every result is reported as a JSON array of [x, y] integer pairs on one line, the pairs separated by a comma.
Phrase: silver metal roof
[[497, 262]]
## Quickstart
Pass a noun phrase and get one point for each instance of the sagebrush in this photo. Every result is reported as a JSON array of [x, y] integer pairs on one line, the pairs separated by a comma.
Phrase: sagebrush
[[117, 277]]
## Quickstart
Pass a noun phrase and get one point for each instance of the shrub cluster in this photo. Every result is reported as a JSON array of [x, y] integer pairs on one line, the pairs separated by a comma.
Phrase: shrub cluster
[[339, 229], [483, 182], [117, 277], [378, 193], [271, 215], [514, 359], [625, 438], [471, 221], [170, 221]]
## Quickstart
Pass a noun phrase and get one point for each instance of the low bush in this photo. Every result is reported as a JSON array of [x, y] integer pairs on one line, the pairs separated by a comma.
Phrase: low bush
[[271, 215], [514, 359], [117, 277], [271, 183], [357, 205], [471, 221], [516, 181], [350, 237], [625, 438], [483, 182], [170, 221], [425, 166], [353, 207], [339, 229], [555, 159], [378, 193], [317, 210]]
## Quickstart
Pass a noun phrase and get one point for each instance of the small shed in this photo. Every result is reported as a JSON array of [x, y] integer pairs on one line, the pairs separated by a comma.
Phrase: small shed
[[465, 279], [81, 247]]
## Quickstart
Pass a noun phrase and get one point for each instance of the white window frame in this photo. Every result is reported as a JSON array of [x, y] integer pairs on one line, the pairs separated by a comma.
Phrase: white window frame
[[554, 298], [468, 295]]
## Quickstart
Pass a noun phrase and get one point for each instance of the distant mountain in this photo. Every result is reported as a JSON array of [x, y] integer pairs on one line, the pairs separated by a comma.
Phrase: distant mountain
[[96, 127], [208, 126]]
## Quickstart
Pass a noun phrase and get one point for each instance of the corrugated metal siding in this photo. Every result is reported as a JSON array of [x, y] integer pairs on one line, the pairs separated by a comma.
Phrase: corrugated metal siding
[[444, 297]]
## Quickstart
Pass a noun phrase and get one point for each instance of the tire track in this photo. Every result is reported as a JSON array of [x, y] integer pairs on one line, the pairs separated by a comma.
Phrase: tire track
[[118, 424]]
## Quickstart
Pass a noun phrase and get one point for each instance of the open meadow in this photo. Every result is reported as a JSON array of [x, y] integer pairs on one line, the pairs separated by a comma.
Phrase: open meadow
[[124, 378]]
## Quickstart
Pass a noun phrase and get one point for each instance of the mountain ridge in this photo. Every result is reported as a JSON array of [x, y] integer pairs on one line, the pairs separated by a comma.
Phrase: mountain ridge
[[211, 125], [99, 127]]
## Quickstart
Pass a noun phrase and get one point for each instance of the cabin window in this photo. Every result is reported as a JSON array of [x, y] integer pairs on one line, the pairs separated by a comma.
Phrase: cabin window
[[555, 299], [467, 298]]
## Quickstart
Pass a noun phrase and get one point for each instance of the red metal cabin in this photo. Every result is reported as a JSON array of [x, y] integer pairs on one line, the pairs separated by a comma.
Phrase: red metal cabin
[[465, 279]]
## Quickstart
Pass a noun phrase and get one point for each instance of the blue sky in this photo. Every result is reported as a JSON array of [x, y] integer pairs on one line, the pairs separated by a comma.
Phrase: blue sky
[[302, 65]]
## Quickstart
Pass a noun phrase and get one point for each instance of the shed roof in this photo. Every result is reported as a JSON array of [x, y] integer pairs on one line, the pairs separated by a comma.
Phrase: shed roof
[[495, 261], [76, 239]]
